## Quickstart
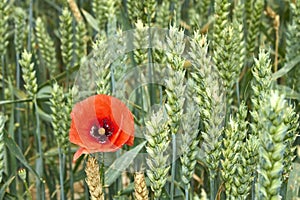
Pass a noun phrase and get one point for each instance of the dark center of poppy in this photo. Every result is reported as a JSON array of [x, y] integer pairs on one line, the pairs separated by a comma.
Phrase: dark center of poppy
[[102, 131]]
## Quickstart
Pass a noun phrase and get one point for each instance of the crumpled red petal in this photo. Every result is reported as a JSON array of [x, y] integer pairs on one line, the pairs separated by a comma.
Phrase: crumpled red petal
[[78, 153]]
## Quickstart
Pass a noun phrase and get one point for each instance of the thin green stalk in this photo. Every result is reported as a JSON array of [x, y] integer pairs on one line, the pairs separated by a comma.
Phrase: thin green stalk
[[22, 175], [238, 92], [61, 172], [11, 161], [102, 170], [71, 173], [27, 190], [173, 169], [3, 82], [253, 188], [18, 116], [186, 189], [67, 77], [22, 100], [212, 186], [86, 191], [283, 189], [119, 180], [39, 162], [18, 75], [150, 65], [30, 26], [58, 77]]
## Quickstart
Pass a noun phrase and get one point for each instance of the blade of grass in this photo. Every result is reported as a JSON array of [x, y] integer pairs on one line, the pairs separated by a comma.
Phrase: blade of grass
[[91, 20], [286, 68], [15, 151], [119, 165], [5, 185], [11, 160]]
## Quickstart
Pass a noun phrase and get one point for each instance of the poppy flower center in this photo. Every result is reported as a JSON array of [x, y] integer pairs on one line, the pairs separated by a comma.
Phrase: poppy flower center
[[102, 131]]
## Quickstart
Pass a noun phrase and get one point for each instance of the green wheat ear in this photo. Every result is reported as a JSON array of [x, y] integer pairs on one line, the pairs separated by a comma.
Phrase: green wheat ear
[[175, 95], [261, 84], [157, 136], [119, 65], [66, 35], [150, 9], [209, 98], [239, 42], [198, 13], [211, 138], [292, 47], [225, 59], [235, 170], [60, 116], [141, 39], [244, 174], [163, 14], [271, 148], [20, 29], [29, 74], [230, 155], [103, 10], [201, 63], [4, 33], [80, 43], [135, 11], [254, 24], [250, 153], [46, 47], [292, 121], [175, 83], [102, 62], [190, 142], [221, 8], [141, 10], [2, 148]]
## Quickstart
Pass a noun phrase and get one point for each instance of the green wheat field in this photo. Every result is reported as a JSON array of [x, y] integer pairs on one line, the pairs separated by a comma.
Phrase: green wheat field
[[211, 88]]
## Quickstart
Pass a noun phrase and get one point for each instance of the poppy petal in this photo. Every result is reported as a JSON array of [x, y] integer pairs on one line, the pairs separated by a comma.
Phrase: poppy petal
[[124, 119], [130, 141], [73, 135], [91, 112], [83, 115], [79, 152]]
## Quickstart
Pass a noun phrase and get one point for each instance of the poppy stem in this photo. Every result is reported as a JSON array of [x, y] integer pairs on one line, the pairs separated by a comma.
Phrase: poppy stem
[[102, 172]]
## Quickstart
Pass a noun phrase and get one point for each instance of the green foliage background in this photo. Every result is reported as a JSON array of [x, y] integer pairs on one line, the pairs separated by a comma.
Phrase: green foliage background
[[243, 76]]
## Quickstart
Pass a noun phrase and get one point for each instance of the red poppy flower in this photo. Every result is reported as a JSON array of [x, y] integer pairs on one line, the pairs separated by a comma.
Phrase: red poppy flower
[[101, 123]]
